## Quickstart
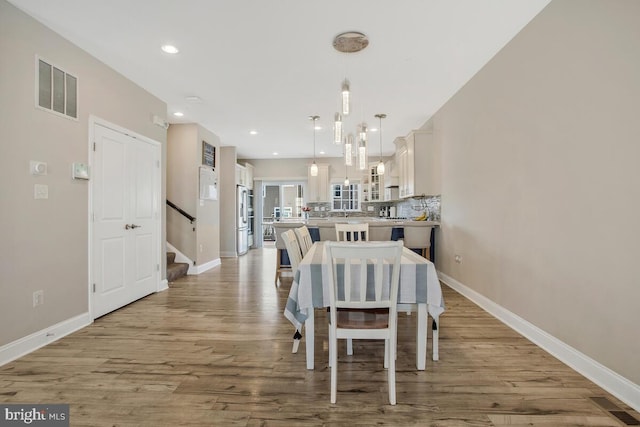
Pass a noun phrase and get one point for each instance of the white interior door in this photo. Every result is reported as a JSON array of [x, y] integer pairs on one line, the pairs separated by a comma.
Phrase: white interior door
[[125, 237]]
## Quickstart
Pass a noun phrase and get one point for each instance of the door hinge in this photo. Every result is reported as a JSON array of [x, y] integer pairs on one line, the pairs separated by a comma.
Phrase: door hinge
[[157, 267], [94, 288], [94, 146], [157, 163]]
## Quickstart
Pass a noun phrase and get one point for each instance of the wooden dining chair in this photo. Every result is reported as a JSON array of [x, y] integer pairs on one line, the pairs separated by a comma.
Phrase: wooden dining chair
[[363, 297], [304, 239], [352, 232]]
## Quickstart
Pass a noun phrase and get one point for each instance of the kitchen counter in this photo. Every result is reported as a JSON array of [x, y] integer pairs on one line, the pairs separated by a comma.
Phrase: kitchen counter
[[419, 236]]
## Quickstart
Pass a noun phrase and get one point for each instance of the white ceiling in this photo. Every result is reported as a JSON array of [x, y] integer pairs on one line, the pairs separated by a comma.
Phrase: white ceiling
[[267, 65]]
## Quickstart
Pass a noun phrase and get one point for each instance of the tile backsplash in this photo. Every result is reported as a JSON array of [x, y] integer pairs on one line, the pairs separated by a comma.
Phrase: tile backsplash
[[408, 208]]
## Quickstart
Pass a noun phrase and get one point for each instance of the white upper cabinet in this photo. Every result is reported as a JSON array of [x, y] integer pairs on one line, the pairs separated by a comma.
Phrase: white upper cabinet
[[418, 162], [248, 174], [241, 175], [244, 175], [376, 184]]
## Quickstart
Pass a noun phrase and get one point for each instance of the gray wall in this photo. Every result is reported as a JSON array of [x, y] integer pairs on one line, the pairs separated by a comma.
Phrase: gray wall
[[184, 157], [44, 242], [541, 181]]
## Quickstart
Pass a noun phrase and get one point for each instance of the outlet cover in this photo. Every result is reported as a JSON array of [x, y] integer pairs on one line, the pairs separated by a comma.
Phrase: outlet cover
[[38, 298]]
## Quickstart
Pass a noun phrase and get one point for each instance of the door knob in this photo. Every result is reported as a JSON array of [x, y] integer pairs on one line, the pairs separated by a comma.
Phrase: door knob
[[132, 226]]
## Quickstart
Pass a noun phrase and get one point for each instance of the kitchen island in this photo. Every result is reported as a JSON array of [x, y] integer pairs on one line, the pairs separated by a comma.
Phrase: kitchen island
[[417, 235]]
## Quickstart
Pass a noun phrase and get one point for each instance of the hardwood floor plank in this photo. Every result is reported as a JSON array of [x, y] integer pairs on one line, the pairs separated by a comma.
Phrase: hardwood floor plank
[[215, 349]]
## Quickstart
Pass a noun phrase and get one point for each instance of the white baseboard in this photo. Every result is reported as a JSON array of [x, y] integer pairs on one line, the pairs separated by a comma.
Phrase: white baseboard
[[207, 266], [164, 285], [226, 254], [193, 269], [26, 345], [617, 385]]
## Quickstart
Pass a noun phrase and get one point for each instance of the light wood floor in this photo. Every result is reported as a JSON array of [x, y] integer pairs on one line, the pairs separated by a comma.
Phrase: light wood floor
[[215, 350]]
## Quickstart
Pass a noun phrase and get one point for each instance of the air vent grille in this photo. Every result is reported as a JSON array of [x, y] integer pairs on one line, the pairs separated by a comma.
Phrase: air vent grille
[[57, 90]]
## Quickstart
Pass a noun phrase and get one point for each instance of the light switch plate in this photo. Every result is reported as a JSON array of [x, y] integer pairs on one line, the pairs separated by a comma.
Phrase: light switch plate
[[40, 191], [80, 171]]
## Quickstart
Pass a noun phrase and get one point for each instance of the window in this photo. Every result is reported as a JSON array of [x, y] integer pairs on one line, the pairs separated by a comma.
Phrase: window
[[345, 197], [57, 90]]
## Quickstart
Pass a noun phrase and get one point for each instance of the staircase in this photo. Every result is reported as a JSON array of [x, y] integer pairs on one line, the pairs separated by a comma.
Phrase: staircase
[[175, 270]]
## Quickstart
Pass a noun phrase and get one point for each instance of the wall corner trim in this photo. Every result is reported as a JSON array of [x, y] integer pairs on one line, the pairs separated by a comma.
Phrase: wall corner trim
[[604, 377], [30, 343]]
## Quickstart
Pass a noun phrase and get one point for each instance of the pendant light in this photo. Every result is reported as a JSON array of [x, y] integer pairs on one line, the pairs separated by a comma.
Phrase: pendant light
[[362, 146], [346, 176], [348, 150], [314, 166], [380, 168], [345, 97], [337, 129]]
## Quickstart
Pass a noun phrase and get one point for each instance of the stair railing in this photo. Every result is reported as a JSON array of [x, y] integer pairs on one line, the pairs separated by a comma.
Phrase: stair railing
[[182, 212]]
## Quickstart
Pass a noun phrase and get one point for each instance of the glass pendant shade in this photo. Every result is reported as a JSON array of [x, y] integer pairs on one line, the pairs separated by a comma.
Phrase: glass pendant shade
[[362, 147], [346, 181], [362, 132], [345, 97], [380, 169], [362, 155], [337, 129], [348, 150], [314, 169]]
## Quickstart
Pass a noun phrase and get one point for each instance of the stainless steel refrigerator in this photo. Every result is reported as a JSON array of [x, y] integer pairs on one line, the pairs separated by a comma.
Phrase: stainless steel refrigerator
[[242, 219]]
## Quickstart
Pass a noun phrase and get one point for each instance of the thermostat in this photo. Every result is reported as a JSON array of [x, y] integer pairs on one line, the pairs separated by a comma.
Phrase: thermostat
[[80, 171]]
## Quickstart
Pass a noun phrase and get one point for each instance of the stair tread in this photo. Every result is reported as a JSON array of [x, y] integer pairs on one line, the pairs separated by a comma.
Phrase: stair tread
[[176, 270]]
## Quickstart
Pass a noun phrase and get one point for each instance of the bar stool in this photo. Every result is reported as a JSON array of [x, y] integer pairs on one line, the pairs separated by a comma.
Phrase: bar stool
[[418, 237]]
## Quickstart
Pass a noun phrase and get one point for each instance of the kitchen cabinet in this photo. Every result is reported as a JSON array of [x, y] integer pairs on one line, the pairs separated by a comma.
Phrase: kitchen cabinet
[[418, 162], [391, 191], [244, 175], [248, 175], [375, 184], [318, 186], [240, 175]]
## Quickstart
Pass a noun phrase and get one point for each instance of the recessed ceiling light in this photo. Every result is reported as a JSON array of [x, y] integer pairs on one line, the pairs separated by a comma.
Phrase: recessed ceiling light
[[193, 98], [322, 152], [318, 128], [275, 153], [167, 48], [253, 132], [178, 114], [373, 129]]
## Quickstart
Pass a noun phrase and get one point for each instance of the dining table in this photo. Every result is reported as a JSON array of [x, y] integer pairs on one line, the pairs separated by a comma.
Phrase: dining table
[[419, 290]]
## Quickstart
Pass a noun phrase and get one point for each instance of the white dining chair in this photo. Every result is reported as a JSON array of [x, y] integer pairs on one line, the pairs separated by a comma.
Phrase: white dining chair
[[356, 313], [352, 232], [304, 239], [295, 256], [293, 249]]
